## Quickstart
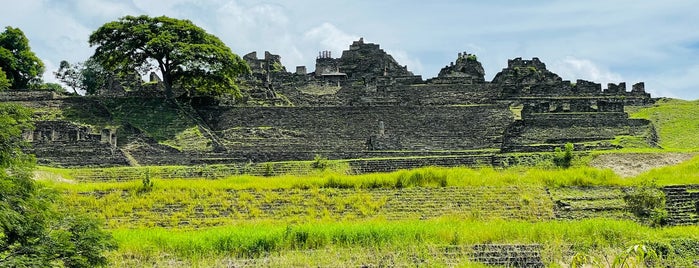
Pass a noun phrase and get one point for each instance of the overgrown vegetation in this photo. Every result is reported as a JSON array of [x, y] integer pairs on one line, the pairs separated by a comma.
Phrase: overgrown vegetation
[[32, 232], [647, 202]]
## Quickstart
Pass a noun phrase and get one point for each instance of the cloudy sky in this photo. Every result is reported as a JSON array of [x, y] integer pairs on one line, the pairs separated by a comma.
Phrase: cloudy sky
[[600, 40]]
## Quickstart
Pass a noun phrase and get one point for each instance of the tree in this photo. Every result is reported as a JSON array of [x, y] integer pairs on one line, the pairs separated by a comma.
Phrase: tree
[[32, 232], [91, 78], [69, 75], [22, 66], [4, 83], [185, 54]]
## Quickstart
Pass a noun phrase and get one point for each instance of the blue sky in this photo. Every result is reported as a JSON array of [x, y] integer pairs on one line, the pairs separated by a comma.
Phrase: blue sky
[[600, 40]]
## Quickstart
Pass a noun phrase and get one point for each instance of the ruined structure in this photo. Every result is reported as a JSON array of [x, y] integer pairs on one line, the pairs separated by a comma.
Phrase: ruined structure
[[365, 104]]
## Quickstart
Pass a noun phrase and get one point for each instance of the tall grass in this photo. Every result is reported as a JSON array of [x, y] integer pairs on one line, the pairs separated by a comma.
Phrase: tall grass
[[259, 239], [421, 177]]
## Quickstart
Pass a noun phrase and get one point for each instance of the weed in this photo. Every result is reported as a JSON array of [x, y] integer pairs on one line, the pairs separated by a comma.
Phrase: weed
[[320, 162], [146, 182]]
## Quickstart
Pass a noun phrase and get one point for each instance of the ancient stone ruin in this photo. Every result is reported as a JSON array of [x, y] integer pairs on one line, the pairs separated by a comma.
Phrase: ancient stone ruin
[[365, 105]]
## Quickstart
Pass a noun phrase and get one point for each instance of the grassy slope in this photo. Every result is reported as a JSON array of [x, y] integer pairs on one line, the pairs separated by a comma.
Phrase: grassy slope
[[676, 121], [348, 237]]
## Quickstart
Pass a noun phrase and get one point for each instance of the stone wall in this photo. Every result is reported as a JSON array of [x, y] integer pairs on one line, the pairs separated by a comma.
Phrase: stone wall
[[419, 128], [62, 143]]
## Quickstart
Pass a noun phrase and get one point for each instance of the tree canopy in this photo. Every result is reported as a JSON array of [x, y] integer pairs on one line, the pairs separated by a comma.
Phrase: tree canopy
[[22, 67], [187, 56], [32, 231]]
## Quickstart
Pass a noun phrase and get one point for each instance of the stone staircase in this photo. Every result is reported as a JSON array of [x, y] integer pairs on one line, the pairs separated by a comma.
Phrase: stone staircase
[[507, 255], [682, 204]]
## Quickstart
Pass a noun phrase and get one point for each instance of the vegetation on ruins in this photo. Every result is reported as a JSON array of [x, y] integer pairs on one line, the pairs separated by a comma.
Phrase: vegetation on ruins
[[4, 82], [33, 233], [185, 55], [347, 172], [21, 66], [90, 78]]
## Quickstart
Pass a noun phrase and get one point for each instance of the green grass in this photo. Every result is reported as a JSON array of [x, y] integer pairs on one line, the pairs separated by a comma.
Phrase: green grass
[[421, 177], [675, 121], [683, 173], [593, 236]]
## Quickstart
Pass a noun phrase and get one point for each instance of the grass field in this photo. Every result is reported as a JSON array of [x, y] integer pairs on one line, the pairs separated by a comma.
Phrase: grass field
[[332, 219]]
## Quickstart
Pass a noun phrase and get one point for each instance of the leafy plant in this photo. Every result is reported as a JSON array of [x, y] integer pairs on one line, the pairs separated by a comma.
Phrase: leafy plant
[[320, 162], [635, 256], [564, 158], [648, 203], [146, 182]]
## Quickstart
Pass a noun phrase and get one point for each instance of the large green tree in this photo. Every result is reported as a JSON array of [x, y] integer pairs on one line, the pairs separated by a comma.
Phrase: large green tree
[[32, 231], [187, 56], [22, 66]]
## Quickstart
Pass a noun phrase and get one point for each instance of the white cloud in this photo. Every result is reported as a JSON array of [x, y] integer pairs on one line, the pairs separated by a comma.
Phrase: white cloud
[[402, 57], [571, 68], [675, 84], [330, 38]]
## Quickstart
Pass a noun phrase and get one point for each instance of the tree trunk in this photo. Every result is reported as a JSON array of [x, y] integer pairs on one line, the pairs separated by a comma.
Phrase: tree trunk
[[168, 90]]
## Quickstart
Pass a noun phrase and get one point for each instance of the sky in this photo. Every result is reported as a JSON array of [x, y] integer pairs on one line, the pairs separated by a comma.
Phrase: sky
[[604, 41]]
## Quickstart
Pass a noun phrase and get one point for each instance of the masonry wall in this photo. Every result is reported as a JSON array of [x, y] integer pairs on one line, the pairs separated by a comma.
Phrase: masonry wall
[[540, 130], [351, 128]]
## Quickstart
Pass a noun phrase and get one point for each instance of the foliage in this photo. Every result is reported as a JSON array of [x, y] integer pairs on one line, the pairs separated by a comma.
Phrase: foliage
[[184, 53], [146, 182], [647, 202], [564, 159], [4, 82], [91, 78], [22, 67], [54, 87], [33, 234], [635, 256], [320, 162], [471, 57]]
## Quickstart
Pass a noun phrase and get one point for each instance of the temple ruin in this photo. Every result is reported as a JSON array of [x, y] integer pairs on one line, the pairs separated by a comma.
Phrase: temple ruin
[[364, 105]]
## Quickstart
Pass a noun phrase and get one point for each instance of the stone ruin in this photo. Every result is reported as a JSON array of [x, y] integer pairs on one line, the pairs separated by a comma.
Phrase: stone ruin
[[364, 104]]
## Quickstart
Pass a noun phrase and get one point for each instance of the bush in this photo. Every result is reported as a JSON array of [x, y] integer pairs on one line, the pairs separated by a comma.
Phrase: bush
[[564, 158], [320, 162], [647, 202]]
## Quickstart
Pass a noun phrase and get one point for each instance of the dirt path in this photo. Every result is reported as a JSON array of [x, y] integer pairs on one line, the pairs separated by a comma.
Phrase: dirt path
[[632, 164]]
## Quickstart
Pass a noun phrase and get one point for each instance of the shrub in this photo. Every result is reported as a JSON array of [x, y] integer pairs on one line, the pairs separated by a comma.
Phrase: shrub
[[647, 202], [563, 158], [320, 162], [146, 182]]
